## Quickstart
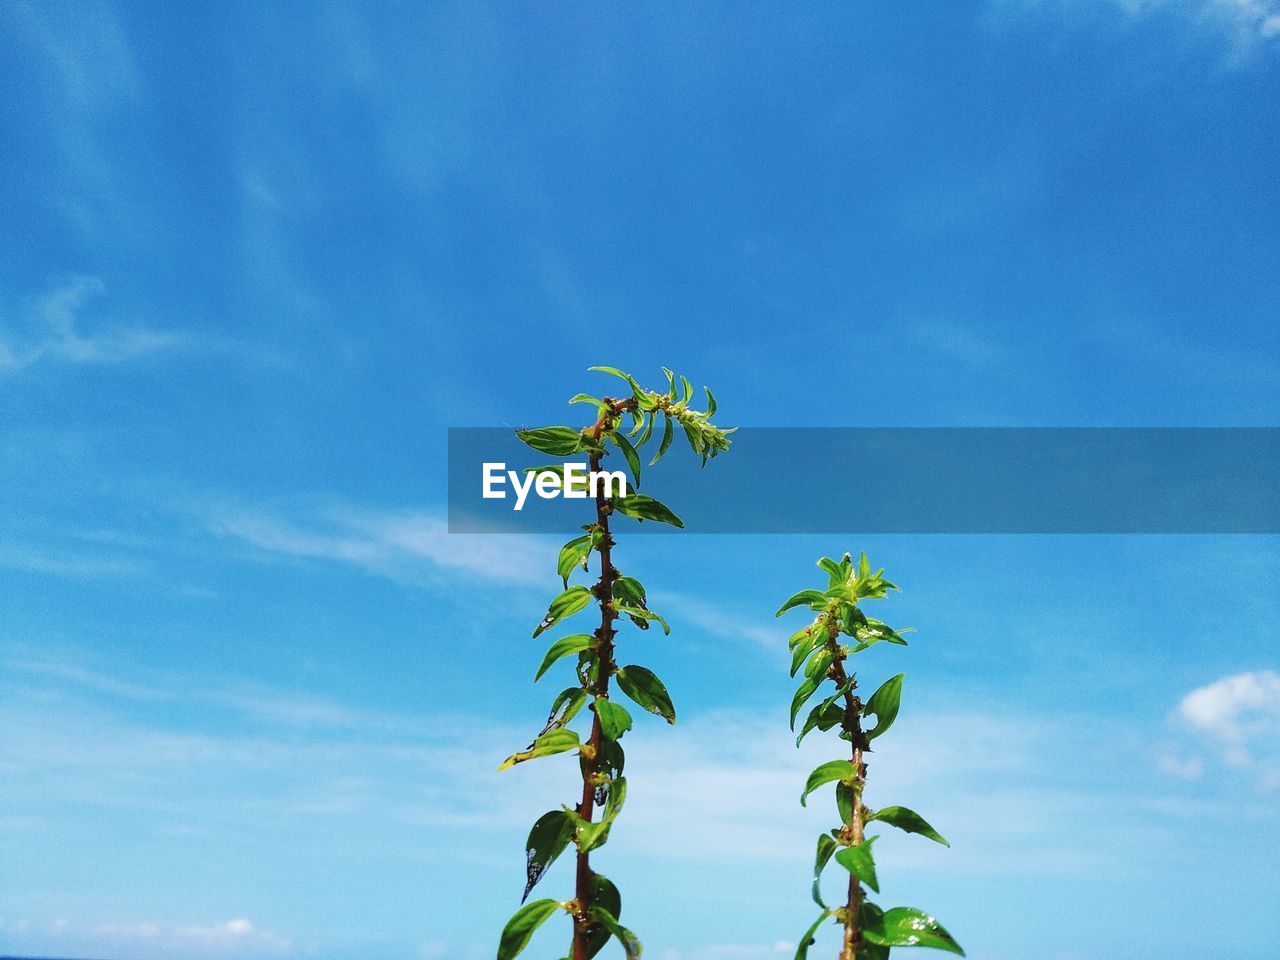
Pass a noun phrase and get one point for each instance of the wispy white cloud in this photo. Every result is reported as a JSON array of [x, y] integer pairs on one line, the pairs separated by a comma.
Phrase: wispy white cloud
[[57, 331], [238, 937], [405, 545], [39, 559], [1240, 718], [716, 620], [1245, 25]]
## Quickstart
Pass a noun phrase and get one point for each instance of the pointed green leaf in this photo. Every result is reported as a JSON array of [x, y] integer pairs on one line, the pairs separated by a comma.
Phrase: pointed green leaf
[[641, 616], [844, 801], [562, 648], [519, 929], [614, 719], [711, 403], [552, 742], [547, 840], [605, 895], [806, 690], [823, 716], [640, 507], [647, 690], [802, 598], [828, 772], [665, 442], [632, 457], [884, 704], [806, 941], [801, 651], [630, 942], [557, 441], [908, 821], [826, 847], [860, 862], [565, 707], [572, 554], [566, 605], [617, 373], [909, 927], [629, 590]]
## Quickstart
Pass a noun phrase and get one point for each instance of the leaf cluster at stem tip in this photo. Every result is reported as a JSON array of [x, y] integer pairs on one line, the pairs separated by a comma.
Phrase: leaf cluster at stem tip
[[819, 651], [618, 599]]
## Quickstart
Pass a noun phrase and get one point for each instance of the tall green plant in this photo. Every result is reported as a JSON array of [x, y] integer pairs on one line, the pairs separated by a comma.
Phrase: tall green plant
[[868, 931], [596, 904]]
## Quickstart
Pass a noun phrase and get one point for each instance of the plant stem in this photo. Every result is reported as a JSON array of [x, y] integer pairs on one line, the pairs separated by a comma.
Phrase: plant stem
[[853, 830], [600, 687]]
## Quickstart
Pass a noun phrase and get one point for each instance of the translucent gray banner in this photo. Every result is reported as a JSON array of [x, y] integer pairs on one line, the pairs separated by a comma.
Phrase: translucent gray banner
[[914, 480]]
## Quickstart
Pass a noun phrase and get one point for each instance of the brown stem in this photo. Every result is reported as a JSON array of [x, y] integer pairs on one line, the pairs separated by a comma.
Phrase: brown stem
[[600, 687], [852, 832]]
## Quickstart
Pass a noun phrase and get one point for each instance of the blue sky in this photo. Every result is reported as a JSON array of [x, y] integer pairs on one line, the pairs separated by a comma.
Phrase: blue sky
[[257, 259]]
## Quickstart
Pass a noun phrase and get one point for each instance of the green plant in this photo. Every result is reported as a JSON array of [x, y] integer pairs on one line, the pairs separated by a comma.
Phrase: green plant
[[817, 650], [596, 904]]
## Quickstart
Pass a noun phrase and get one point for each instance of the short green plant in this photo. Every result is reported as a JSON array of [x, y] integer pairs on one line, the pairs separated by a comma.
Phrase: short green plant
[[596, 904], [818, 651]]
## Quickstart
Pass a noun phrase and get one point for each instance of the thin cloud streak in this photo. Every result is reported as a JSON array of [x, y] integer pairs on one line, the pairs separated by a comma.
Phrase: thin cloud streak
[[55, 333], [406, 546]]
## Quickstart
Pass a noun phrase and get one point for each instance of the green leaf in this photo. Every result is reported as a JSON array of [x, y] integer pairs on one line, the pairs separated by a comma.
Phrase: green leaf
[[819, 664], [836, 572], [665, 442], [823, 716], [826, 847], [844, 801], [552, 742], [806, 690], [908, 821], [640, 507], [519, 929], [617, 373], [647, 690], [551, 833], [884, 704], [614, 719], [646, 433], [828, 772], [565, 605], [592, 834], [633, 458], [557, 441], [806, 941], [603, 894], [799, 599], [562, 648], [565, 707], [694, 438], [641, 616], [800, 652], [572, 554], [630, 942], [610, 760], [615, 798], [586, 398], [813, 632], [711, 403], [909, 927], [860, 862], [629, 590]]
